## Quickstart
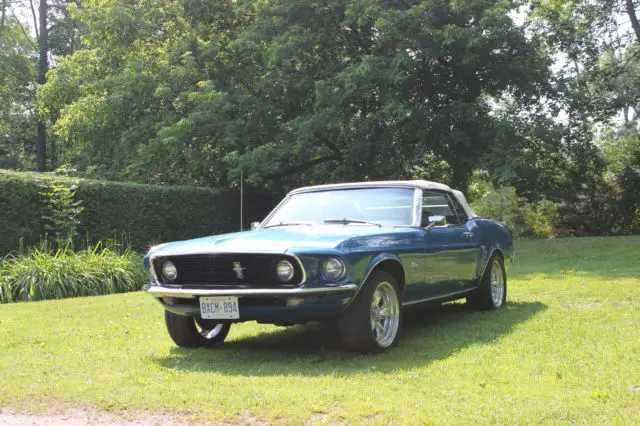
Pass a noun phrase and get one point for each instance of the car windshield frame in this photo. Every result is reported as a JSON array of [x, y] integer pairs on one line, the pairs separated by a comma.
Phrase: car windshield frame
[[415, 208]]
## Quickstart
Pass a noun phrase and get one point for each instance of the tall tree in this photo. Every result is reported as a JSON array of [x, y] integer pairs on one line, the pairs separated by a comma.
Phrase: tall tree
[[290, 91], [43, 67], [599, 40], [633, 18], [17, 73], [404, 80]]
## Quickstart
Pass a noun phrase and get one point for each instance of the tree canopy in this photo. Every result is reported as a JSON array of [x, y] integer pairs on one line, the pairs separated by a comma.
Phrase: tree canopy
[[540, 95], [283, 91]]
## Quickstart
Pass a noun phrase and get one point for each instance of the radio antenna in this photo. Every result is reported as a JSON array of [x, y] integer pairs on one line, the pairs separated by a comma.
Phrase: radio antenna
[[241, 198]]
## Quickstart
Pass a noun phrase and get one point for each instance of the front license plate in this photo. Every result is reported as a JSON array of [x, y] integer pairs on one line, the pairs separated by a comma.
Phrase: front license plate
[[219, 307]]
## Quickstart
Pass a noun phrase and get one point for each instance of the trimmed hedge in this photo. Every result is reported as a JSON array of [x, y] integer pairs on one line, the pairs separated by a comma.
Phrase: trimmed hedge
[[141, 215]]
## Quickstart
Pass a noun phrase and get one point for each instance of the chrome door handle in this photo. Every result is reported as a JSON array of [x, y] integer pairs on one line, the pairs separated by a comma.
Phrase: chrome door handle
[[468, 235]]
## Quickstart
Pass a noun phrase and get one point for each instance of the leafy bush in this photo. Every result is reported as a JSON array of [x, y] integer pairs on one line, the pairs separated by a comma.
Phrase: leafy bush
[[44, 274], [63, 211], [525, 219], [140, 214]]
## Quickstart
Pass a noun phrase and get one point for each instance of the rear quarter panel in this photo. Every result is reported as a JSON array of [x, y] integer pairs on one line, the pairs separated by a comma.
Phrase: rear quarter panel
[[493, 236]]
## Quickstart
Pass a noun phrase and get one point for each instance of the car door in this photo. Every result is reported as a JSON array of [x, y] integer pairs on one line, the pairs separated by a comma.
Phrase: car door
[[451, 248]]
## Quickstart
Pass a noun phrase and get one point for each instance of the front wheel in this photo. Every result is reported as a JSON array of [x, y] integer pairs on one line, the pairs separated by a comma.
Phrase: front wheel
[[372, 323], [191, 332], [492, 290]]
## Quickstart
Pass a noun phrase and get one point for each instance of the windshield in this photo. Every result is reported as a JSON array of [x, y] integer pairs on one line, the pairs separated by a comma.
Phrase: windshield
[[364, 206]]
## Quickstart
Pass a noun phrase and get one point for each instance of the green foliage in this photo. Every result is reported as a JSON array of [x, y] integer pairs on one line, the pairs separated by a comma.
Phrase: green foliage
[[291, 93], [21, 211], [431, 168], [287, 92], [605, 199], [525, 219], [140, 214], [619, 149], [63, 210], [45, 274], [17, 73]]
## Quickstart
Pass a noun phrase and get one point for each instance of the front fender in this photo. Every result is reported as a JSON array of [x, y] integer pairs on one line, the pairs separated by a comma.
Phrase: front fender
[[375, 261]]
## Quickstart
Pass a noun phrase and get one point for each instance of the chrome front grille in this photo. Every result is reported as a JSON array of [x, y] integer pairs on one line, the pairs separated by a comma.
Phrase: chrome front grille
[[228, 270]]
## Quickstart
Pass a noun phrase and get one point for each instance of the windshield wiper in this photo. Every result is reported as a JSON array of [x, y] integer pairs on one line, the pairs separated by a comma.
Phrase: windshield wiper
[[345, 220], [288, 224]]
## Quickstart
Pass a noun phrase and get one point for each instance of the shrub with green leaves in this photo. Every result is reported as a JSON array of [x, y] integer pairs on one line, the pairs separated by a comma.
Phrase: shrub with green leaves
[[525, 219], [142, 215], [62, 211], [44, 274]]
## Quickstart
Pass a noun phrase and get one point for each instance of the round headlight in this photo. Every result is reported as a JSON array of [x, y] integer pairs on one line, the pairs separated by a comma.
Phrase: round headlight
[[284, 270], [169, 270], [333, 269]]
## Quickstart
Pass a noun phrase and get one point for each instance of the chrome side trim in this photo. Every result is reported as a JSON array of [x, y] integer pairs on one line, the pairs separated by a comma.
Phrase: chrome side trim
[[488, 259], [152, 269], [366, 277], [426, 299], [467, 290], [304, 272], [158, 291]]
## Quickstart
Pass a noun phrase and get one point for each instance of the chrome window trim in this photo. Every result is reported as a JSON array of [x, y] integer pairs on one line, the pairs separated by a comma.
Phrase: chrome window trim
[[417, 200], [373, 184], [414, 216], [273, 212], [452, 205], [459, 212]]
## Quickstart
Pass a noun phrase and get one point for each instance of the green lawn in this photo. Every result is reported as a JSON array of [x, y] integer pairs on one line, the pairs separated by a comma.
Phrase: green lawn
[[566, 349]]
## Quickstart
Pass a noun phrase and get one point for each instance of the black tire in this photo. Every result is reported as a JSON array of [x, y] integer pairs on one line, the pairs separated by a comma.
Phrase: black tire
[[192, 332], [488, 296], [356, 324]]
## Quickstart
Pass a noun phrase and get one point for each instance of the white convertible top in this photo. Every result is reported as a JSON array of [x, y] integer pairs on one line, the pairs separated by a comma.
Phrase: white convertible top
[[422, 184]]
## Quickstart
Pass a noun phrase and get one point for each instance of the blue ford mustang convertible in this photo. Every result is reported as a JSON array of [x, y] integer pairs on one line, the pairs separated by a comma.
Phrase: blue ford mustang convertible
[[353, 255]]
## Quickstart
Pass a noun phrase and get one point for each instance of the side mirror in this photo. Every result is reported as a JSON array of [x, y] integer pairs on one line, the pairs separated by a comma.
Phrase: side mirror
[[255, 225], [436, 221]]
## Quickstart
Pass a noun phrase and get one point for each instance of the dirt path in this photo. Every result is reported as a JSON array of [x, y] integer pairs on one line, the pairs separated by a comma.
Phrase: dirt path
[[88, 416]]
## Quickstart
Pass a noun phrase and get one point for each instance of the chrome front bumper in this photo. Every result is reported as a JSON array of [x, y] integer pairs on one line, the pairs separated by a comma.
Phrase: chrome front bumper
[[160, 291]]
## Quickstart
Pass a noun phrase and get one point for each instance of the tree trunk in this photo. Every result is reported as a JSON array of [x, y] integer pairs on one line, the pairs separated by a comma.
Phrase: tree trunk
[[460, 176], [631, 11], [53, 155], [43, 67], [4, 12]]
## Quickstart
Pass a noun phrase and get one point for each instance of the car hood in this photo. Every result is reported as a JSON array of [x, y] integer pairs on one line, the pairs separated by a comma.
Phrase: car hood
[[276, 240]]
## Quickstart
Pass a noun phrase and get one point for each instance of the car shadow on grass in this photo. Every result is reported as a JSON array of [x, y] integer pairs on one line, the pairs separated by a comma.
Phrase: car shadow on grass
[[430, 334]]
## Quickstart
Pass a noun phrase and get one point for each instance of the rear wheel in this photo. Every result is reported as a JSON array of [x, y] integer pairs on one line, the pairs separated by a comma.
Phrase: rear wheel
[[372, 323], [193, 332], [492, 290]]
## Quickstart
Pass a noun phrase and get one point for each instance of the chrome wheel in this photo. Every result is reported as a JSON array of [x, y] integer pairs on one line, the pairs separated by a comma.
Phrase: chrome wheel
[[205, 329], [497, 284], [385, 314], [193, 332]]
